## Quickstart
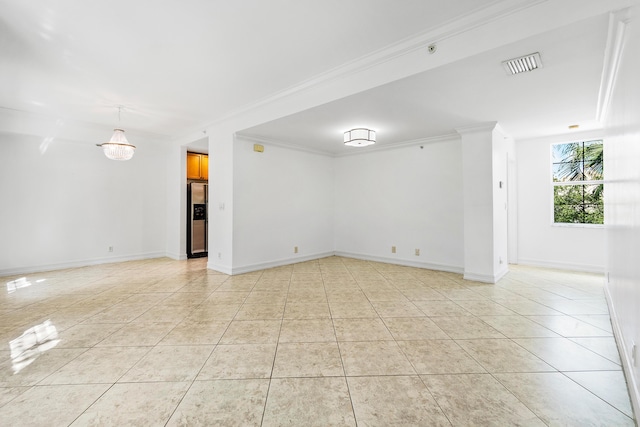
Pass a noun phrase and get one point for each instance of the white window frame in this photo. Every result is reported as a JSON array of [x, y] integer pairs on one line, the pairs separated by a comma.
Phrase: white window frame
[[554, 184]]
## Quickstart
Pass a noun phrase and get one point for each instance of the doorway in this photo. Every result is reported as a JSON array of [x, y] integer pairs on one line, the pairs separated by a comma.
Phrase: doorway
[[197, 204]]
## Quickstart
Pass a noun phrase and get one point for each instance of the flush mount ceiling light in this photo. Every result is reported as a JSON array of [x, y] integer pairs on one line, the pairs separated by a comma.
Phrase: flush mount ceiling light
[[522, 64], [359, 137], [118, 148]]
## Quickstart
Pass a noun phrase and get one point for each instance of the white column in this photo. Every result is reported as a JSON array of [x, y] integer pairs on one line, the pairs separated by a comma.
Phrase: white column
[[176, 201], [484, 157], [220, 245]]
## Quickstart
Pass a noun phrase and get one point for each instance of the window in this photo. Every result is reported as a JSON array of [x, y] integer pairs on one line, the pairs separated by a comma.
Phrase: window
[[578, 186]]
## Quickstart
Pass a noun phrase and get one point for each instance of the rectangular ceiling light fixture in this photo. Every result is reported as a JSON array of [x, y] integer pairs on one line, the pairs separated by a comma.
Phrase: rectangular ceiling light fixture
[[524, 63]]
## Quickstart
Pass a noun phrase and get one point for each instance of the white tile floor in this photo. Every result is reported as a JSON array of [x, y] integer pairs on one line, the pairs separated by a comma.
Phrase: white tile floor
[[335, 341]]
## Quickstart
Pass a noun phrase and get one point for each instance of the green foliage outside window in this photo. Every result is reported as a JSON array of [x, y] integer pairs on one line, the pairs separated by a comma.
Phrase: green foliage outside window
[[578, 191]]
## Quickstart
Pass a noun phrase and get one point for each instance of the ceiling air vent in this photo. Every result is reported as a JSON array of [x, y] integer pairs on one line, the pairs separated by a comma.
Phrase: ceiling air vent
[[524, 63]]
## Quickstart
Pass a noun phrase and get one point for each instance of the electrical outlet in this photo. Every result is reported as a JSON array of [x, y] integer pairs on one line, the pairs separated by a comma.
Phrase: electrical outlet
[[110, 248], [295, 249], [417, 252], [219, 255], [393, 249]]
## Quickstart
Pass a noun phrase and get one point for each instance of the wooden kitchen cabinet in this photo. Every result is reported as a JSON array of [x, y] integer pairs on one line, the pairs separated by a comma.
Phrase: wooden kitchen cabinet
[[204, 166], [197, 166]]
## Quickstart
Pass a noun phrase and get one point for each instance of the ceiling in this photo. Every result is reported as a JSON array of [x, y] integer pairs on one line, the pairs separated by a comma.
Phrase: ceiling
[[177, 66], [468, 92]]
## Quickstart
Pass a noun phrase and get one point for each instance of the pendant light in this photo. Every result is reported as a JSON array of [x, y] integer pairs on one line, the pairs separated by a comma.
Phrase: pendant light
[[118, 148]]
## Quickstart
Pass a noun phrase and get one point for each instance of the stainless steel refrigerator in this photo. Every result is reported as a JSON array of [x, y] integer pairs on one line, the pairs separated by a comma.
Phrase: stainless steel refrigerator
[[197, 220]]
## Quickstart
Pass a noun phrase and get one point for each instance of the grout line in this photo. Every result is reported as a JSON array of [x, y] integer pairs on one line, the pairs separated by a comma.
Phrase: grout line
[[392, 276], [344, 370], [275, 354], [206, 360]]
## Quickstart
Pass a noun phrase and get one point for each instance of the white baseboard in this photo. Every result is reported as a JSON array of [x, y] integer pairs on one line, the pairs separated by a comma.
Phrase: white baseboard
[[634, 390], [486, 278], [227, 269], [407, 263], [177, 257], [78, 263], [277, 263], [587, 268], [219, 268]]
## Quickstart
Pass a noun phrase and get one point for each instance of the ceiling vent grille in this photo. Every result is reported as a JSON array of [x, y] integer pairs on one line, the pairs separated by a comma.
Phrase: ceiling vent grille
[[522, 64]]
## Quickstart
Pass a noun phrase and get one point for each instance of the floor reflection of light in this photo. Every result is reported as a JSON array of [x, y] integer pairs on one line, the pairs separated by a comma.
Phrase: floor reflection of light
[[31, 344], [21, 283], [17, 284]]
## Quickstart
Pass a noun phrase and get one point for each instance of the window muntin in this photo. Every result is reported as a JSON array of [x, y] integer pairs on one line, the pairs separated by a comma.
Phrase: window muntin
[[578, 186]]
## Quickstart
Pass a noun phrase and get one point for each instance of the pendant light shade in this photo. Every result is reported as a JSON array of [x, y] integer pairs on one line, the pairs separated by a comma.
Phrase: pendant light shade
[[118, 148]]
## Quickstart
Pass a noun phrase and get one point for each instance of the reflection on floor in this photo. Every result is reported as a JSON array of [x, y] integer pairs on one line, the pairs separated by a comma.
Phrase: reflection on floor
[[328, 342]]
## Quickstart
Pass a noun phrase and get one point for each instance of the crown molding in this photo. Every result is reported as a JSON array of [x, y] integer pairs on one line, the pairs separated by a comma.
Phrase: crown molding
[[567, 137], [398, 145], [355, 151], [612, 55], [481, 127], [277, 143]]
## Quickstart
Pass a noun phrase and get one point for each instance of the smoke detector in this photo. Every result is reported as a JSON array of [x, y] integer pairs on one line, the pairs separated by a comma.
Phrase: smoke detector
[[522, 64]]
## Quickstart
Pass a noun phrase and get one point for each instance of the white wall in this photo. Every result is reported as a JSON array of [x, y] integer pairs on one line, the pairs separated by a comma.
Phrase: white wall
[[408, 197], [221, 197], [622, 207], [484, 176], [64, 203], [539, 241], [478, 205], [176, 183], [281, 198], [503, 150]]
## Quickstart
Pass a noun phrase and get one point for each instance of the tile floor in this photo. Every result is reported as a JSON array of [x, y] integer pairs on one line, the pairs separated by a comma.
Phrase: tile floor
[[335, 341]]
